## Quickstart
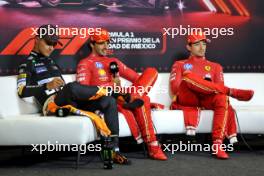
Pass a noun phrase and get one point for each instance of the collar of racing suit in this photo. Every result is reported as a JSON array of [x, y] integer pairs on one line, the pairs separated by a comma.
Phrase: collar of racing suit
[[93, 56], [37, 55], [196, 58]]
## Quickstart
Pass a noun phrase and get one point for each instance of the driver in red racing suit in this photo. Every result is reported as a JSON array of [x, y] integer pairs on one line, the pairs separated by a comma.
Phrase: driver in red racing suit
[[94, 70], [198, 83]]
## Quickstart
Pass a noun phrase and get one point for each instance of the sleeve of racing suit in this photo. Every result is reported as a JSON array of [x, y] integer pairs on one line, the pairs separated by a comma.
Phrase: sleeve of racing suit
[[175, 77], [127, 72], [55, 68], [83, 74], [25, 86], [218, 75]]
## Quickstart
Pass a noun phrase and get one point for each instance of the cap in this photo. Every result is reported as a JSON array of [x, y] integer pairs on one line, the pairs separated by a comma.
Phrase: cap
[[196, 37], [48, 33], [101, 37]]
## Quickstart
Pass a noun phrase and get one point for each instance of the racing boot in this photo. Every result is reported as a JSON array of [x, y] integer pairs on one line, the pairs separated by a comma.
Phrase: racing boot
[[219, 151], [155, 152], [119, 158]]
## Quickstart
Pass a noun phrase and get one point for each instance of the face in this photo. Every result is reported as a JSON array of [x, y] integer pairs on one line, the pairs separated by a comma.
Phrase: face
[[100, 48], [197, 49], [44, 47]]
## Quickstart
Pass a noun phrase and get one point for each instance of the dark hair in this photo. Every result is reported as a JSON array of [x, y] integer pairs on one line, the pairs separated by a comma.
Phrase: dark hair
[[90, 42]]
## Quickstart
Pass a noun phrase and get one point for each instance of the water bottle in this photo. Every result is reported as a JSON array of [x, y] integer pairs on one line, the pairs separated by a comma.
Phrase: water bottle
[[108, 153]]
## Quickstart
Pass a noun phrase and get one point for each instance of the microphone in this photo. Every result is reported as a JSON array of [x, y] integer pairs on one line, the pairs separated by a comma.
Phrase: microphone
[[114, 68]]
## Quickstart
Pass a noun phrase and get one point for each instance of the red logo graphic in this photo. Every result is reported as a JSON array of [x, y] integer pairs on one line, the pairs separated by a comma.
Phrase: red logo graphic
[[23, 43], [223, 6]]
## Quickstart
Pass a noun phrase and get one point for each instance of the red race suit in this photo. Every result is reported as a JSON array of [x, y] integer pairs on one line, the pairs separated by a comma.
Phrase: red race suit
[[94, 70], [196, 84]]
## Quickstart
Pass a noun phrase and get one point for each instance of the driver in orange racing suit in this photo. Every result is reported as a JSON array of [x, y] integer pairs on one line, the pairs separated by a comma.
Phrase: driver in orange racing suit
[[95, 70], [198, 83]]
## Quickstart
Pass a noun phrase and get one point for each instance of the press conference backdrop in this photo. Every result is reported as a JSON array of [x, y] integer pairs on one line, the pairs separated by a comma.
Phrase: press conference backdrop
[[143, 35]]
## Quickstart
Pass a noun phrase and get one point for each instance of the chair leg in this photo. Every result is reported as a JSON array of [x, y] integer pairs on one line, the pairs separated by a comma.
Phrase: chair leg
[[78, 158]]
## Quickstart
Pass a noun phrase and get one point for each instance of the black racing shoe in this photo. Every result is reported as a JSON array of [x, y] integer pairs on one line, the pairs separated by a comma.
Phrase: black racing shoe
[[134, 104], [118, 158]]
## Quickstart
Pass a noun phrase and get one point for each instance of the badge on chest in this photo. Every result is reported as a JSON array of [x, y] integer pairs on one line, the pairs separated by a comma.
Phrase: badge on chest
[[41, 69], [188, 66]]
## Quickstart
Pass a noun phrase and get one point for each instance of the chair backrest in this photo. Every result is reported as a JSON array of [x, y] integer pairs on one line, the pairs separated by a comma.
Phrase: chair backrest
[[12, 105]]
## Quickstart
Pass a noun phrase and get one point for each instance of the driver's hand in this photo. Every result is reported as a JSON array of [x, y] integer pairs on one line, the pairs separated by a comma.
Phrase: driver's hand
[[117, 81], [187, 72], [55, 83]]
